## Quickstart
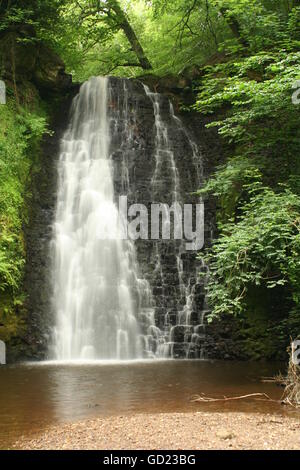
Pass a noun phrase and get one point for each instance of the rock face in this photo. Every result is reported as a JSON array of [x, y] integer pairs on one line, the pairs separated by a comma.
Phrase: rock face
[[39, 235], [164, 166], [165, 159]]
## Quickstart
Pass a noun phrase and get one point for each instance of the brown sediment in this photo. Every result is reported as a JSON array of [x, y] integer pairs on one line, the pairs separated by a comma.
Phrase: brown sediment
[[176, 431]]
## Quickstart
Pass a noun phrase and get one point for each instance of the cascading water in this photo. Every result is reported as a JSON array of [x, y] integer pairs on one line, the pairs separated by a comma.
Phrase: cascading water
[[178, 322], [115, 299], [94, 270]]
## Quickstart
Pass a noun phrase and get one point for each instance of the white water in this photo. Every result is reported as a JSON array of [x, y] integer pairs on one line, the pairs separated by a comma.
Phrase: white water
[[166, 165], [101, 304], [92, 275]]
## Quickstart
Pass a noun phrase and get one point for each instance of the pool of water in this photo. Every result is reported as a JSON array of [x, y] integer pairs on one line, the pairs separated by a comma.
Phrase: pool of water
[[33, 396]]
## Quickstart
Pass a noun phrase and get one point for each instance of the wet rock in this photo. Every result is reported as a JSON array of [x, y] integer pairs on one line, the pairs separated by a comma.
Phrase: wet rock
[[179, 333], [179, 350]]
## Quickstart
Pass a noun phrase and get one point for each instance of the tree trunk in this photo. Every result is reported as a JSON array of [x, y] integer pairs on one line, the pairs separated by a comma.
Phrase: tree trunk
[[131, 36], [235, 27]]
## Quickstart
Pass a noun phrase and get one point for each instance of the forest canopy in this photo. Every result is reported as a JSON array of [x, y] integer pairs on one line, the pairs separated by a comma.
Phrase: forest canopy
[[126, 37]]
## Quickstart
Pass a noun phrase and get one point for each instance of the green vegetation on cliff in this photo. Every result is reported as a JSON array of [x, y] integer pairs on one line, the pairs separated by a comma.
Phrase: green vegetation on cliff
[[33, 75], [258, 189], [20, 133]]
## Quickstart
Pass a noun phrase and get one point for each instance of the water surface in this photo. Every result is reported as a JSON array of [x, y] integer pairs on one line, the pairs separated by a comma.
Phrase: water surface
[[33, 396]]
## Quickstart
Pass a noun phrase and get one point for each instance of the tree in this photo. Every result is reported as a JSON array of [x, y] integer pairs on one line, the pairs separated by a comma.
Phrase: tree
[[257, 189], [234, 25], [36, 13], [111, 13], [205, 9], [130, 34]]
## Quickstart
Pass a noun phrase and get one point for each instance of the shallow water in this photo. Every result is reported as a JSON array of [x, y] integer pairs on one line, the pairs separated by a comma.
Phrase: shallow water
[[33, 396]]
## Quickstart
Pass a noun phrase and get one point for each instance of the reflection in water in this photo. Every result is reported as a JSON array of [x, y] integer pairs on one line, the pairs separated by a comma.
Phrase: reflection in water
[[35, 396]]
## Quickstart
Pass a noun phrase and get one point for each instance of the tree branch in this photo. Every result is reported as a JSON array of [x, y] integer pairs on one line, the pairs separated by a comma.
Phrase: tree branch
[[234, 25], [130, 34]]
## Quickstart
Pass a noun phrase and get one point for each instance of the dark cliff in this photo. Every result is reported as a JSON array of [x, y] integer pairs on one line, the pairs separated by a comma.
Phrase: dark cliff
[[166, 283]]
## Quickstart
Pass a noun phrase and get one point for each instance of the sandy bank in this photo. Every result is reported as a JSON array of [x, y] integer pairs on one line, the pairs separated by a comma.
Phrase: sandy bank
[[198, 430]]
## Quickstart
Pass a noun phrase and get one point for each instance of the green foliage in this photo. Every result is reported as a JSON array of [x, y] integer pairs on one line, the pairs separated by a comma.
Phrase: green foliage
[[20, 132], [261, 249], [229, 183], [174, 33], [257, 89], [257, 189], [258, 117], [42, 14], [88, 36]]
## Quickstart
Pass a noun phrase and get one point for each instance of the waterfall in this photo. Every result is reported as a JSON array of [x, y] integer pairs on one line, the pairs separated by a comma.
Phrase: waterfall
[[114, 298], [166, 187], [94, 271]]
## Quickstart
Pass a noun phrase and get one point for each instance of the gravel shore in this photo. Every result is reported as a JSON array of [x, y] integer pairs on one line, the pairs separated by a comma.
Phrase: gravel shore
[[173, 431]]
